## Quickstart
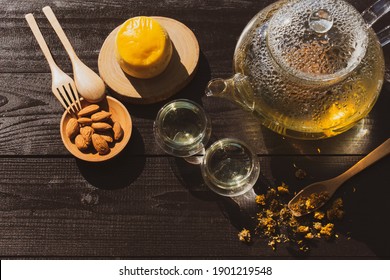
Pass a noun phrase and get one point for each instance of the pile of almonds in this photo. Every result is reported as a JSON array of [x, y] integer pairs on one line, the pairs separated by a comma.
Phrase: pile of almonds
[[94, 128]]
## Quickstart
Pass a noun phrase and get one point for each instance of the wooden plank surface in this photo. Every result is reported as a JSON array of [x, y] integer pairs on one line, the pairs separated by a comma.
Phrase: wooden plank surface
[[217, 25], [30, 117], [26, 103], [152, 206], [88, 23], [145, 203]]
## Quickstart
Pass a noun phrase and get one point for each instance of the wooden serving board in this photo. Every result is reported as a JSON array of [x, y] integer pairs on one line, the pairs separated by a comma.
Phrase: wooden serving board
[[176, 76]]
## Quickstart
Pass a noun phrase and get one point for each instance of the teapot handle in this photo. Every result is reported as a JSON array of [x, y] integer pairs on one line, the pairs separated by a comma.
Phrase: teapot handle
[[376, 11], [384, 36]]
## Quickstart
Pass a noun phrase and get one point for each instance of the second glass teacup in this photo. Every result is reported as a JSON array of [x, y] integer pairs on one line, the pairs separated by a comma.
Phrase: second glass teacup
[[230, 168]]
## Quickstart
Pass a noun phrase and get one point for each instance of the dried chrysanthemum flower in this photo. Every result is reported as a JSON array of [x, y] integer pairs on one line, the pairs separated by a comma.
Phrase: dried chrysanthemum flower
[[284, 213], [319, 215], [272, 243], [260, 199], [268, 213], [310, 204], [303, 229], [317, 225], [268, 225], [283, 189], [293, 222], [271, 193], [309, 235], [244, 235], [327, 230]]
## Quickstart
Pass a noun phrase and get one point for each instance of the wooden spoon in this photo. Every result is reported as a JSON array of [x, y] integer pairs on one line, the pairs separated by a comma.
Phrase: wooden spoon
[[319, 193], [88, 83]]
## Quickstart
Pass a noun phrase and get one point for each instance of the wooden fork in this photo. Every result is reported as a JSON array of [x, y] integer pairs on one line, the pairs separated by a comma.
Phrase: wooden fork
[[62, 86]]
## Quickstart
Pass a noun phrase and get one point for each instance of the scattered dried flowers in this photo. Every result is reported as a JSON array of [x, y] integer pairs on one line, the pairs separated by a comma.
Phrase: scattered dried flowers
[[276, 224]]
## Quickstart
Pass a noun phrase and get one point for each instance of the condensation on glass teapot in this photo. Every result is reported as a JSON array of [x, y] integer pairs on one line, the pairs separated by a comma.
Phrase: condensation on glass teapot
[[307, 69]]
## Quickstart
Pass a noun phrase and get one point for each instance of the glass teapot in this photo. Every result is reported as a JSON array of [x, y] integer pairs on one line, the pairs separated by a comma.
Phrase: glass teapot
[[308, 69]]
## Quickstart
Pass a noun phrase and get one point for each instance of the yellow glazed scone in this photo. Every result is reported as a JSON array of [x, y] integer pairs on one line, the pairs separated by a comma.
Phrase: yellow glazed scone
[[143, 47]]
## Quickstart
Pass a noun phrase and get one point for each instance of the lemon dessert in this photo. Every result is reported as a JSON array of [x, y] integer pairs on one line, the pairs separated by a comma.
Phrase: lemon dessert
[[143, 47]]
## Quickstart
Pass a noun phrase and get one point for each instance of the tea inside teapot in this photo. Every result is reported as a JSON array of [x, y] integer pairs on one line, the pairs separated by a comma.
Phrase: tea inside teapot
[[307, 69]]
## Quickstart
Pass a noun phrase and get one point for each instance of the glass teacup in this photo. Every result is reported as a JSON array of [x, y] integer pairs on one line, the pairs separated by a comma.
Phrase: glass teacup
[[230, 168], [182, 128]]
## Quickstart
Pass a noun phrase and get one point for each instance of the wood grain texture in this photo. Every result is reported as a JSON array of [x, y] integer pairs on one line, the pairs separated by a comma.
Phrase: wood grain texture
[[217, 24], [30, 118], [150, 207], [144, 203], [88, 23]]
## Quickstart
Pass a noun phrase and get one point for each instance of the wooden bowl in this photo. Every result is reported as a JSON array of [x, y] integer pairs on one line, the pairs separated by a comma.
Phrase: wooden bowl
[[119, 114]]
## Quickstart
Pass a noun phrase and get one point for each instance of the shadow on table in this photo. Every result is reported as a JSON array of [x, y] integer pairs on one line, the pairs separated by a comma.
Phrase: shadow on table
[[120, 171], [239, 210], [193, 91], [366, 202], [365, 198], [242, 210], [190, 177]]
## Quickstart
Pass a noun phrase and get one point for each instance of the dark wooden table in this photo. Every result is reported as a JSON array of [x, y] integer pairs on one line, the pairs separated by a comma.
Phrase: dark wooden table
[[145, 203]]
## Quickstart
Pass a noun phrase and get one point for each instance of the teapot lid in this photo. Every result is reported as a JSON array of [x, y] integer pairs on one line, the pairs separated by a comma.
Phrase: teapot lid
[[317, 40]]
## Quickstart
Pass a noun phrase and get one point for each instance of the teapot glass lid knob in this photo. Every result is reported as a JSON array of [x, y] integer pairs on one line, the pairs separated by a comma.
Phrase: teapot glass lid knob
[[320, 21]]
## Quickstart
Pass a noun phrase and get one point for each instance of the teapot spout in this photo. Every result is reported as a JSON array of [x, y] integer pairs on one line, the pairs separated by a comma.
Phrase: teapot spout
[[236, 89], [217, 87]]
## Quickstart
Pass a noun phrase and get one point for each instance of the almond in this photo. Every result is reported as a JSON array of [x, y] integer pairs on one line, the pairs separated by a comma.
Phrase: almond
[[100, 144], [80, 143], [107, 137], [84, 121], [89, 110], [101, 126], [100, 116], [118, 131], [87, 132], [72, 128]]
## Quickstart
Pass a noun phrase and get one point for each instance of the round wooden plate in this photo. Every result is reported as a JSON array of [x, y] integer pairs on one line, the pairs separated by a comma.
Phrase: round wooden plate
[[176, 76]]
